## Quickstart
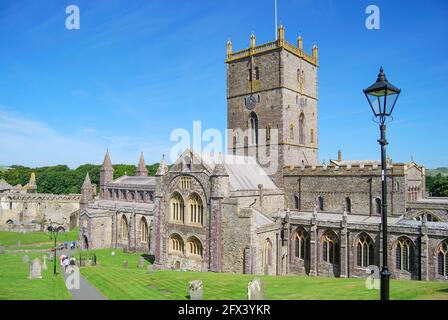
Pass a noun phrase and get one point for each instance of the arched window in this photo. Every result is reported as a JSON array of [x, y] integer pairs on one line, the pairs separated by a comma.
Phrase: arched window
[[348, 205], [291, 132], [330, 248], [176, 244], [378, 205], [144, 230], [185, 183], [196, 209], [442, 258], [312, 136], [296, 202], [9, 222], [253, 125], [10, 204], [320, 203], [302, 244], [257, 73], [124, 227], [429, 217], [267, 253], [177, 208], [365, 250], [302, 128], [404, 254], [194, 248]]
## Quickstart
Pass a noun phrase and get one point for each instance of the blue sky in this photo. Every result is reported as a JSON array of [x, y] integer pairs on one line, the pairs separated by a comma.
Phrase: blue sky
[[138, 69]]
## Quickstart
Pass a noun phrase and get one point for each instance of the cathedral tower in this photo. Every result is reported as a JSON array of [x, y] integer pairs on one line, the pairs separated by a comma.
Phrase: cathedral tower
[[272, 95]]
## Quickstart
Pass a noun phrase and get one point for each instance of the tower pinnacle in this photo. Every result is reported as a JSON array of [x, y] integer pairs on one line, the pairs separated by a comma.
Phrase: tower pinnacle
[[142, 171]]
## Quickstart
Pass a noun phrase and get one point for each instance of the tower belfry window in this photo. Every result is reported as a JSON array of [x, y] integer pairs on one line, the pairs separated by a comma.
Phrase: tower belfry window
[[253, 123]]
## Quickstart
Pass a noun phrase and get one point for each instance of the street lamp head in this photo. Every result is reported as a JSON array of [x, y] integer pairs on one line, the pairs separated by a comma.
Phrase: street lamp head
[[382, 97]]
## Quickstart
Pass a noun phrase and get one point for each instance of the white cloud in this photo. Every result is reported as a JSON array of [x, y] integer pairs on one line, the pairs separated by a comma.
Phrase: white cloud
[[32, 143]]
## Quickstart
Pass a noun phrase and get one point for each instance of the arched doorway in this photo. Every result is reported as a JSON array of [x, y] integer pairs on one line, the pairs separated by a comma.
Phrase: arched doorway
[[85, 244]]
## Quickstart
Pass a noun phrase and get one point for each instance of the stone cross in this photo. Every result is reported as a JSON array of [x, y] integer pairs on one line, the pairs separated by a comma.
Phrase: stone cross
[[35, 269], [125, 264], [196, 290], [141, 262], [255, 290]]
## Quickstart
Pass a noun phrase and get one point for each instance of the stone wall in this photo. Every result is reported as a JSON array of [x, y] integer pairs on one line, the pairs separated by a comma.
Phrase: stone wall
[[334, 185], [31, 208]]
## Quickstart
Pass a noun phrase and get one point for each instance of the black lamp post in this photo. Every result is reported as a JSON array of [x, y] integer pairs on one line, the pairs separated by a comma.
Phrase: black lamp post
[[382, 97], [54, 231]]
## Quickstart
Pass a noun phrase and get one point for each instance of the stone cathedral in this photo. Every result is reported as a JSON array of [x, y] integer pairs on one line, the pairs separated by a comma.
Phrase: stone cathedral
[[268, 206]]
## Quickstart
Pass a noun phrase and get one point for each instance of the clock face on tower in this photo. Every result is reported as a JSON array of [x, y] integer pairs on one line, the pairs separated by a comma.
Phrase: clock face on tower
[[251, 102]]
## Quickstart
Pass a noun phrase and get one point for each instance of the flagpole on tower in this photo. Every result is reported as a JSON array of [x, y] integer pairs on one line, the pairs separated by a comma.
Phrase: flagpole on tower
[[275, 14]]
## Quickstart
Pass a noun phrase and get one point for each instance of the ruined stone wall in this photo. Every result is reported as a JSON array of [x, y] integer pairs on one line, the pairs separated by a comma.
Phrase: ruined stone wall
[[30, 208]]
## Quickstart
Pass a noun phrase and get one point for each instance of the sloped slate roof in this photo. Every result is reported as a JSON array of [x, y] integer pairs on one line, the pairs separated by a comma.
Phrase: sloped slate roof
[[244, 172], [138, 181]]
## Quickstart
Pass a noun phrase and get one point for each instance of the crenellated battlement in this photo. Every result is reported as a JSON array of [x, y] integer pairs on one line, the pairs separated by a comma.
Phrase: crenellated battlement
[[274, 45], [348, 169], [12, 196]]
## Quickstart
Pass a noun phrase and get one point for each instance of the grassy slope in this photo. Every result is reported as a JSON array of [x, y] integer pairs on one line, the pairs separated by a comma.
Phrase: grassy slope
[[11, 238], [14, 284], [118, 283]]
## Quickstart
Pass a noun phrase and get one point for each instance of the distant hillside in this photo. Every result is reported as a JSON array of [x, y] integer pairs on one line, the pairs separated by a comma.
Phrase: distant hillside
[[63, 180], [4, 168], [433, 172]]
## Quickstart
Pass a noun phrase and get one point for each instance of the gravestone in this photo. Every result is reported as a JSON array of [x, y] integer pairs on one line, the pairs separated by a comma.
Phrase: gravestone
[[2, 250], [141, 263], [196, 290], [50, 257], [125, 264], [150, 268], [35, 269], [19, 243], [113, 253], [44, 265], [26, 259], [255, 290]]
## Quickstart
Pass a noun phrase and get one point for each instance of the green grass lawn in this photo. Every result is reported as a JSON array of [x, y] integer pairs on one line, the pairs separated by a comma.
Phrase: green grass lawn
[[11, 238], [15, 285], [118, 283]]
